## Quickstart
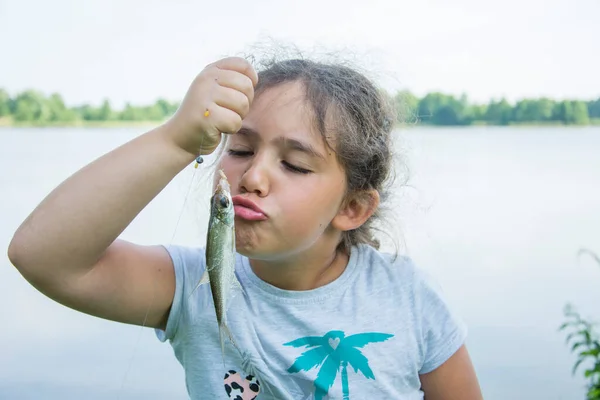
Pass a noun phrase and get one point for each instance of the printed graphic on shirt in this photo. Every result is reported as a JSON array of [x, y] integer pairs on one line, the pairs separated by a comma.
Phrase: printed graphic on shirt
[[240, 388], [333, 353]]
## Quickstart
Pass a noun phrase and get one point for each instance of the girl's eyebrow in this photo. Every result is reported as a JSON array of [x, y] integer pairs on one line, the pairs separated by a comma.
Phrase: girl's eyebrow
[[293, 144]]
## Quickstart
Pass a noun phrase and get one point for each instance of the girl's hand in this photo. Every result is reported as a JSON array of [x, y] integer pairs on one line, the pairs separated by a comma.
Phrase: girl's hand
[[216, 102]]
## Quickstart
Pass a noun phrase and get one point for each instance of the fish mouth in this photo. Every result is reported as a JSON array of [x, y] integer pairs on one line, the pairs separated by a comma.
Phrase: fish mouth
[[247, 209], [223, 184]]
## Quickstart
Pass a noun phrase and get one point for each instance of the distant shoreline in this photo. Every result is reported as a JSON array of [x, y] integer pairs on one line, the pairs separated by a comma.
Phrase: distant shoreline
[[32, 108], [8, 123]]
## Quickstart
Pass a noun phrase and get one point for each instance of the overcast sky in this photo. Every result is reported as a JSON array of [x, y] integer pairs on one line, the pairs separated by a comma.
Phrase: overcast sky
[[137, 50]]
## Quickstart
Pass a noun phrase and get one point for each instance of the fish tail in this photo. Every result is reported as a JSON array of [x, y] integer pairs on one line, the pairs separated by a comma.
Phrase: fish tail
[[252, 370], [225, 333]]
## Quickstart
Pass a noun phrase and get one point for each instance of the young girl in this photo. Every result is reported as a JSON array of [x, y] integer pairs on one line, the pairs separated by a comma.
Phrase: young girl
[[324, 313]]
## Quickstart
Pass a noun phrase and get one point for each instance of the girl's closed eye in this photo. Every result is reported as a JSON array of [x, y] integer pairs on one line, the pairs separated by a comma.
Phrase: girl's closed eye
[[295, 168], [239, 153], [289, 166]]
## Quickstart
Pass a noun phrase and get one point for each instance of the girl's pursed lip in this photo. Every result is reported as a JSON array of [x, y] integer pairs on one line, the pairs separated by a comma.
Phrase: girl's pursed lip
[[246, 208], [248, 213]]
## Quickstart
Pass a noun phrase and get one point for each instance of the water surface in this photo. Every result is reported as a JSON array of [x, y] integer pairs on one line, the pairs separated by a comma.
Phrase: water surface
[[496, 214]]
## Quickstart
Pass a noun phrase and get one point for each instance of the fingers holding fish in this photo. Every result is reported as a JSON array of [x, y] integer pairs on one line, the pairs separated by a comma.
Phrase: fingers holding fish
[[239, 65], [233, 100], [236, 81], [217, 100], [225, 120]]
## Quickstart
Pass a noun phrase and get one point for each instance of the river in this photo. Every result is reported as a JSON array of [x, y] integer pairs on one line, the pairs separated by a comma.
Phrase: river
[[497, 215]]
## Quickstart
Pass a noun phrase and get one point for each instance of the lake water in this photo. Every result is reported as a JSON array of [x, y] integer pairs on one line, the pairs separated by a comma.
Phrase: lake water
[[496, 214]]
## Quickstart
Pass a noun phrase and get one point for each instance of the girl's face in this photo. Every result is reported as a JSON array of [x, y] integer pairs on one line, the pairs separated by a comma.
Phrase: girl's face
[[279, 162]]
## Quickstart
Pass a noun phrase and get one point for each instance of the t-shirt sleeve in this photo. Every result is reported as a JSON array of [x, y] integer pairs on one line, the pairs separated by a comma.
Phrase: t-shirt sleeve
[[189, 265], [442, 331]]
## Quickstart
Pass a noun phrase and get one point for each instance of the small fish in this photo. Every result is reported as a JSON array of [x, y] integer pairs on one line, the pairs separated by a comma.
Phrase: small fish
[[220, 255], [220, 266]]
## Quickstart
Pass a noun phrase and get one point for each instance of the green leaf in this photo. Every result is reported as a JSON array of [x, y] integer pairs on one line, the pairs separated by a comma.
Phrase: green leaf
[[576, 345], [564, 325], [588, 373], [588, 353], [593, 394]]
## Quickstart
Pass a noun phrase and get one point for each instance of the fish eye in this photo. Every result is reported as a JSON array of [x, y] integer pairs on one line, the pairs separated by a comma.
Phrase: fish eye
[[224, 202]]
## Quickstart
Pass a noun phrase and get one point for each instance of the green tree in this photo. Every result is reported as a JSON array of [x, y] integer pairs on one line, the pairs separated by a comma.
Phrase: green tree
[[478, 112], [563, 111], [441, 109], [5, 103], [88, 112], [31, 106], [131, 113], [499, 112], [407, 107], [580, 113], [58, 110], [544, 108], [532, 110], [153, 113], [105, 113], [166, 107], [594, 108]]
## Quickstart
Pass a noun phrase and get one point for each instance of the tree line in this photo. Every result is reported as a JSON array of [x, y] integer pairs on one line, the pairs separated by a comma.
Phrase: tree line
[[31, 106], [443, 109]]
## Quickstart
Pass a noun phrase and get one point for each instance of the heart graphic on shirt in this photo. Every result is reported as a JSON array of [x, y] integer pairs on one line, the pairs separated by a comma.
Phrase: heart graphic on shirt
[[333, 342], [240, 388]]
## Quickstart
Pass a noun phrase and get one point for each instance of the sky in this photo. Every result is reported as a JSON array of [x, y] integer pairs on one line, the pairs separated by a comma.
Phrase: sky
[[137, 51]]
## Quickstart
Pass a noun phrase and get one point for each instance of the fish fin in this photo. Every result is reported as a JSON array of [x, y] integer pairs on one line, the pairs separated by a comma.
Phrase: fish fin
[[203, 280], [235, 289]]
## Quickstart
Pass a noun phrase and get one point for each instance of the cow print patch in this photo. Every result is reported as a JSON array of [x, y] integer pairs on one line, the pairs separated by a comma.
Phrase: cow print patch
[[239, 388]]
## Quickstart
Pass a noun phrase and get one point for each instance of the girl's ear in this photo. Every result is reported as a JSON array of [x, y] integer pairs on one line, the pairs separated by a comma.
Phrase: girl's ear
[[356, 209]]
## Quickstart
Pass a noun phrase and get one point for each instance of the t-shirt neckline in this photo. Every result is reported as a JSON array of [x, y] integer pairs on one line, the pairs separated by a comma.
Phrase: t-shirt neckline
[[301, 296]]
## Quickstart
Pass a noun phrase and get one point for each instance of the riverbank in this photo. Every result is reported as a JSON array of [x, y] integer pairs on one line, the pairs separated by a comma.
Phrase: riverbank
[[10, 123]]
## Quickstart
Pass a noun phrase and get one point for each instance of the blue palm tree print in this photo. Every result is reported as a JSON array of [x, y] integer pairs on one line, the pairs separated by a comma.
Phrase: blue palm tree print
[[331, 353]]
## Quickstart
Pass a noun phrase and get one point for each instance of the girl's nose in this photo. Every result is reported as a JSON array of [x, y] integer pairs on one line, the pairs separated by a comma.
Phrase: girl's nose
[[256, 179]]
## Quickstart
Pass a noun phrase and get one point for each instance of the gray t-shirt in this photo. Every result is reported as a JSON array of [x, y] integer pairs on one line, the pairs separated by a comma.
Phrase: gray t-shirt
[[367, 335]]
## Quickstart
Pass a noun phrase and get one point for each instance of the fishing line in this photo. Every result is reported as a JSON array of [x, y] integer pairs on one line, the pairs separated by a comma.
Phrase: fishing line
[[199, 160]]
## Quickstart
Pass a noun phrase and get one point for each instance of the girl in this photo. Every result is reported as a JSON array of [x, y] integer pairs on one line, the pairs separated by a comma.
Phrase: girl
[[324, 313]]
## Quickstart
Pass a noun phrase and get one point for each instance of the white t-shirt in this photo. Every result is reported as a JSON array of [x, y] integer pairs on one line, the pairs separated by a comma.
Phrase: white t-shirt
[[366, 335]]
